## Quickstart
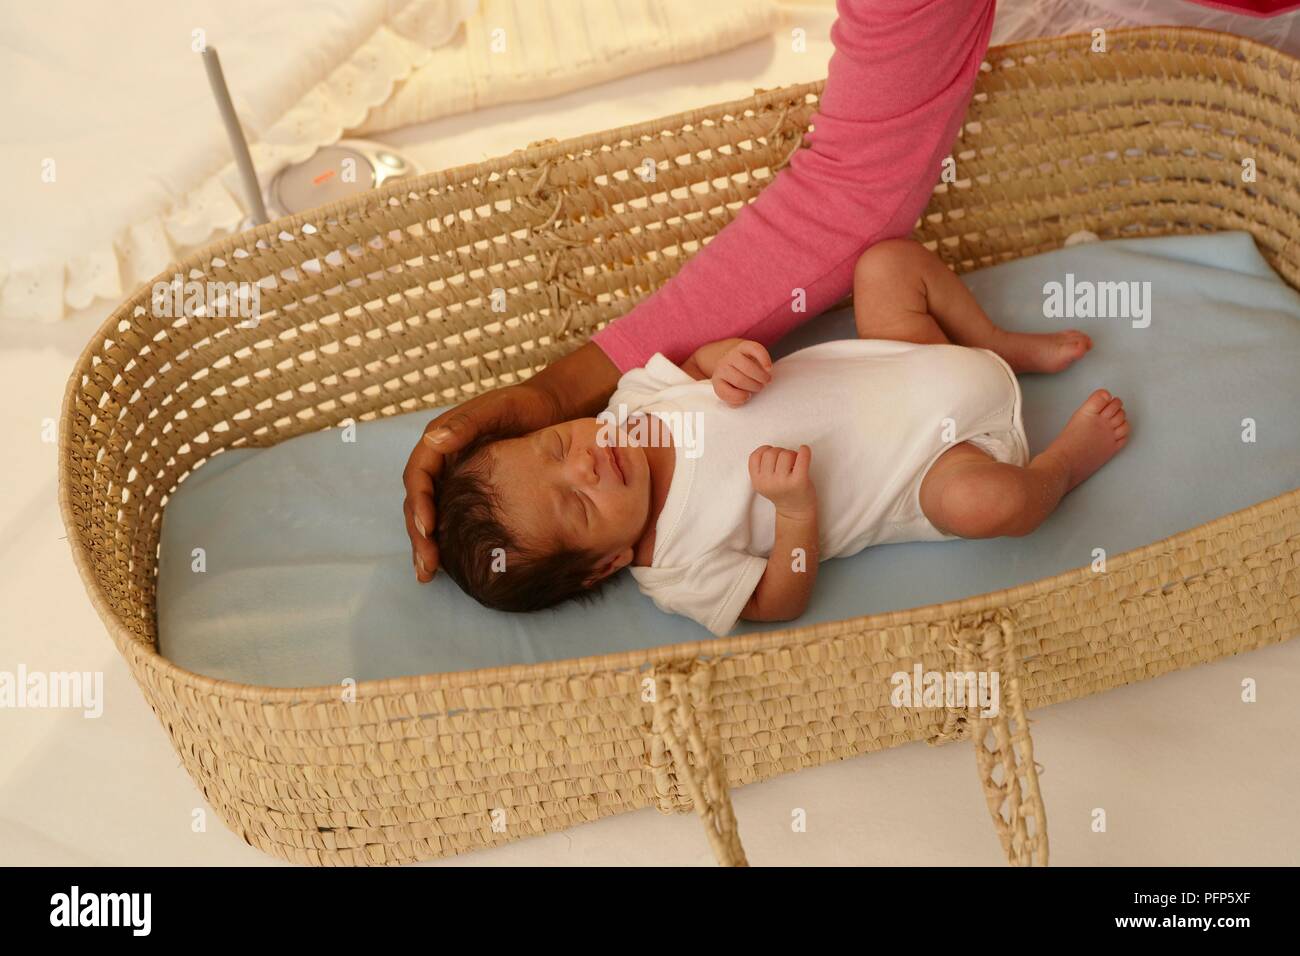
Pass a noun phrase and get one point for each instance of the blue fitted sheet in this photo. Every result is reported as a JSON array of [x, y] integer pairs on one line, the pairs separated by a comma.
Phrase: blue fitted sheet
[[308, 574]]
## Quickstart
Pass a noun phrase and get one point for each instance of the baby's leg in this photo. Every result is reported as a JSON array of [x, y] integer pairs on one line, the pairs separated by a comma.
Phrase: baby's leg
[[891, 299], [968, 494], [904, 292]]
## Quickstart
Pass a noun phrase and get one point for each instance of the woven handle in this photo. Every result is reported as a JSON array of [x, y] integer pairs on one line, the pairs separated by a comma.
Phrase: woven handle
[[686, 757], [1002, 741]]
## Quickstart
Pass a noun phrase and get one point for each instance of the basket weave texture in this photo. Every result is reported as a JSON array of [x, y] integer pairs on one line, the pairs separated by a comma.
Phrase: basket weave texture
[[1149, 138]]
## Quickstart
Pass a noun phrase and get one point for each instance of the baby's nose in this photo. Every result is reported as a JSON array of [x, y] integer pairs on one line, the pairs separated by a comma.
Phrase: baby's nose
[[584, 468], [589, 472]]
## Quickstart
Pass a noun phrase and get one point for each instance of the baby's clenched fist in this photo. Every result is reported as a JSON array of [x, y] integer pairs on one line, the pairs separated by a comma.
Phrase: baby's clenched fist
[[741, 373], [782, 477]]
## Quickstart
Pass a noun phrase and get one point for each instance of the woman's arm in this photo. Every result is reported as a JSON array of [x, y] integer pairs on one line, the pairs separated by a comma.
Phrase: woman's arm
[[895, 95]]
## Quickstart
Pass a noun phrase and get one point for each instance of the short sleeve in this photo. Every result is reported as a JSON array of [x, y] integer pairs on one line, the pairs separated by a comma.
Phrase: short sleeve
[[712, 590], [640, 387]]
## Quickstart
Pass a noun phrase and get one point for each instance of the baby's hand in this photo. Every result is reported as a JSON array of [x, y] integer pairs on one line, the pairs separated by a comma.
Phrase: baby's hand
[[781, 476], [742, 372]]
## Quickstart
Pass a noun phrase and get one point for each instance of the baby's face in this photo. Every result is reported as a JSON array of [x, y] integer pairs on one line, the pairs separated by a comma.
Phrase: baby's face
[[561, 486]]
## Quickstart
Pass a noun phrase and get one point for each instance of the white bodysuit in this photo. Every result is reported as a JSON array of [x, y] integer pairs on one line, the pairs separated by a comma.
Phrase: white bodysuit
[[876, 414]]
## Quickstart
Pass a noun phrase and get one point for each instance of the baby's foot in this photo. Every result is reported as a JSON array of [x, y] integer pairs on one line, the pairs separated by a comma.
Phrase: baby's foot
[[1095, 432], [1042, 351]]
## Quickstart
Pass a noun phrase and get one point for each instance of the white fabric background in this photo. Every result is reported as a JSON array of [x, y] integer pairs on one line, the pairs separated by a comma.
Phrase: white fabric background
[[116, 97]]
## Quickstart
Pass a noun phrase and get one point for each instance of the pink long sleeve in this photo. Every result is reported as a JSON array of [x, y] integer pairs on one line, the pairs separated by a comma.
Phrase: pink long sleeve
[[896, 92]]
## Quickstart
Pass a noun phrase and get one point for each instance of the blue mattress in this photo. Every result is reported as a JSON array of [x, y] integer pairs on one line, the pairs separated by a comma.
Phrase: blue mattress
[[308, 574]]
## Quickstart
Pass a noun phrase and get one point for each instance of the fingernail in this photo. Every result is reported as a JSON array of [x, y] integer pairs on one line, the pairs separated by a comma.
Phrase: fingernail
[[437, 436], [419, 526], [419, 563]]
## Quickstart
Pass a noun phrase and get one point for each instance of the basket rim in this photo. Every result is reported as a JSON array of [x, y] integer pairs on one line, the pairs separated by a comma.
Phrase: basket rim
[[619, 661]]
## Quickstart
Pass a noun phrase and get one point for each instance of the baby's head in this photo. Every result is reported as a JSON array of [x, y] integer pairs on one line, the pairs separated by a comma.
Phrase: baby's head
[[526, 523]]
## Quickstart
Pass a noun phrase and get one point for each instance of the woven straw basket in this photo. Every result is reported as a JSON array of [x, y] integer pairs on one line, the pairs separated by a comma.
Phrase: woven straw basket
[[1148, 138]]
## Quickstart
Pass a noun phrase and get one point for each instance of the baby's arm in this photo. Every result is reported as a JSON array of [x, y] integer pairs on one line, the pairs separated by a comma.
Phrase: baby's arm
[[782, 477], [739, 368]]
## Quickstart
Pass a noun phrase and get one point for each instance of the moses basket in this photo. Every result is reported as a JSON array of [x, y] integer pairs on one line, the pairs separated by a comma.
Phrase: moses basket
[[1148, 138]]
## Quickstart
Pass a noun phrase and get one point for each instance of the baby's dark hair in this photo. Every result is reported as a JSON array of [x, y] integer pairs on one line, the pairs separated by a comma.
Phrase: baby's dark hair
[[473, 541]]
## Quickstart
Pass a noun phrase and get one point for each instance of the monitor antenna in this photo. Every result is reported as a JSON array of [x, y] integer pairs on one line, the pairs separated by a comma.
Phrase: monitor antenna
[[238, 145]]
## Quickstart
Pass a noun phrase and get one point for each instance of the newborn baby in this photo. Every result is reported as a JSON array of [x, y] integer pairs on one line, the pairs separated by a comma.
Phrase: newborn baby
[[723, 482]]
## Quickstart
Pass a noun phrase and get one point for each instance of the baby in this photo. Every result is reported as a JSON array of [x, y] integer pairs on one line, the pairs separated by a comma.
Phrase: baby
[[703, 478]]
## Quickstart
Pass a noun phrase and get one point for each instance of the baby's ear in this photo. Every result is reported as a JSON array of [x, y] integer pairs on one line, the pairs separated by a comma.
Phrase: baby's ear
[[610, 564]]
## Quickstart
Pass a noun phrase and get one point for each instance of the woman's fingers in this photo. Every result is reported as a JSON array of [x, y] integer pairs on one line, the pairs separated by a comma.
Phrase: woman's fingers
[[454, 429], [418, 477], [424, 551], [515, 409]]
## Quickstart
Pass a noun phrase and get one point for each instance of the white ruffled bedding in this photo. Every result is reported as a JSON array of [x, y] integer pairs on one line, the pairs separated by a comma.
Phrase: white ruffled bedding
[[544, 49], [115, 158]]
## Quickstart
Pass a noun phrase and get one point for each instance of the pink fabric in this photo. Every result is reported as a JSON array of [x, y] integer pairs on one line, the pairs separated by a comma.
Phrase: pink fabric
[[896, 93], [1252, 8]]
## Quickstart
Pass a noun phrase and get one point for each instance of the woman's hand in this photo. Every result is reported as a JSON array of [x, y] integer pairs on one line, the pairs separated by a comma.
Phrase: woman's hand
[[520, 406], [578, 384], [742, 372]]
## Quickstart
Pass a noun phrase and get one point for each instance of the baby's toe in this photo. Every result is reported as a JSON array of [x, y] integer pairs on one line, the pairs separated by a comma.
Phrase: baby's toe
[[1096, 401]]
